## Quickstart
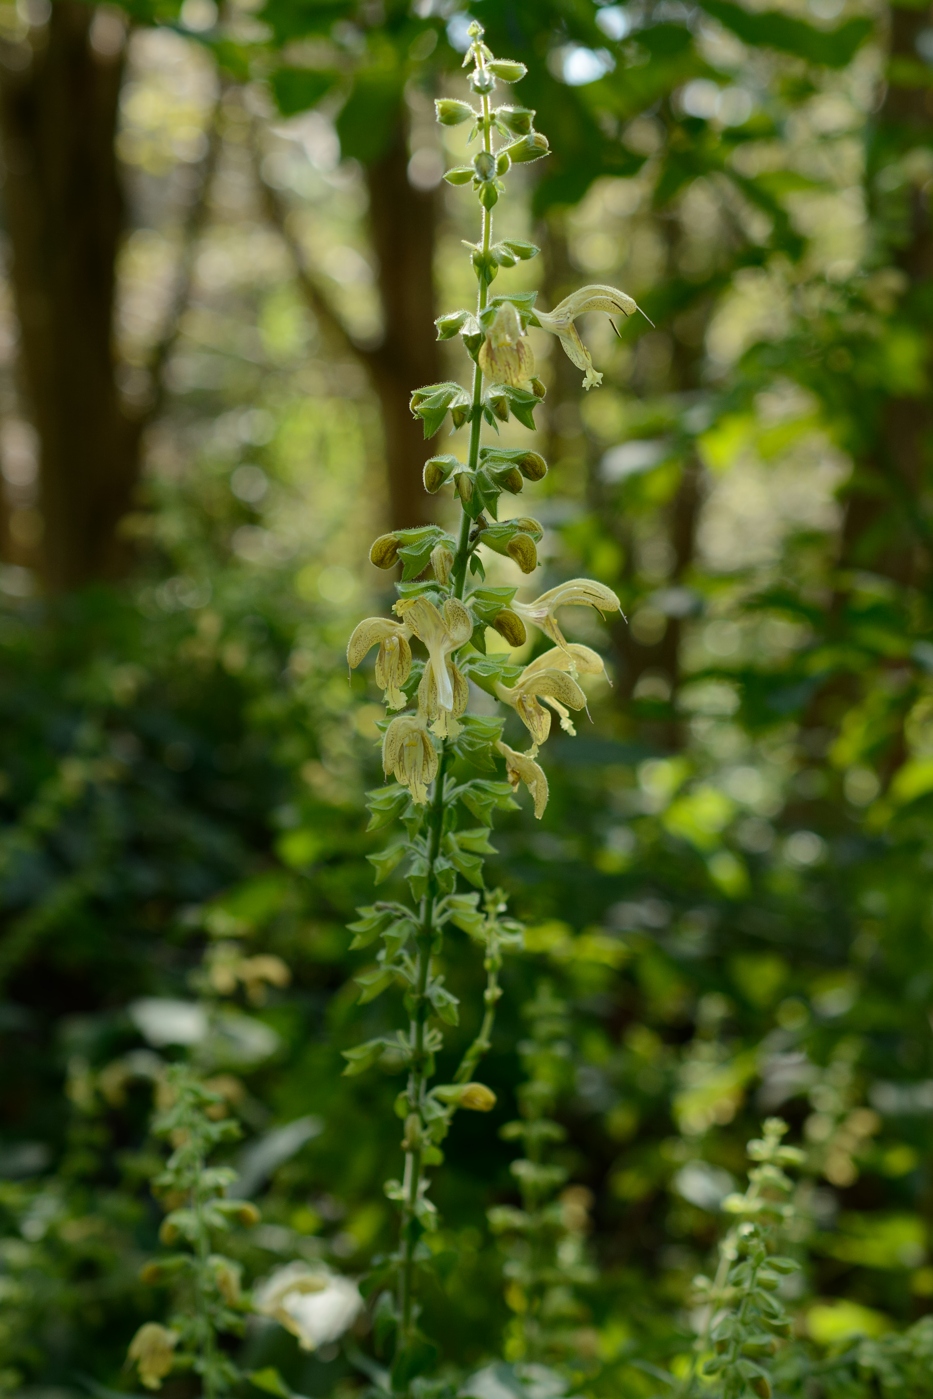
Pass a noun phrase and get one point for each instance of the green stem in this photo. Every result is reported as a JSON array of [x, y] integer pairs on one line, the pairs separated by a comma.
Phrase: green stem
[[208, 1340]]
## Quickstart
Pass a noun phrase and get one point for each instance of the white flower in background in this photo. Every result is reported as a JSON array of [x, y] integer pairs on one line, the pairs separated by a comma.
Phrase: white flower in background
[[576, 592], [560, 322], [316, 1306], [393, 661]]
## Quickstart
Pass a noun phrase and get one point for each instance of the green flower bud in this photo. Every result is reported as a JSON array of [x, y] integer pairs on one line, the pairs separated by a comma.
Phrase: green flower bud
[[511, 480], [532, 466], [503, 163], [413, 1134], [463, 485], [530, 147], [484, 163], [522, 549], [450, 112], [437, 472], [488, 195], [384, 552], [516, 119], [482, 81], [507, 69], [442, 561], [538, 388], [476, 1097], [500, 406]]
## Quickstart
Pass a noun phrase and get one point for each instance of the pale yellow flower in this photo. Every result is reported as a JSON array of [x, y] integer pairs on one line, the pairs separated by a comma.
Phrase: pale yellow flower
[[505, 355], [521, 767], [443, 721], [393, 662], [576, 660], [409, 755], [560, 322], [549, 685], [153, 1350], [441, 634], [576, 592]]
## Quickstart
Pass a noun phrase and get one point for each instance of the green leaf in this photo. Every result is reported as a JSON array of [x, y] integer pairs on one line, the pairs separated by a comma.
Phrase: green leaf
[[387, 860], [832, 48], [444, 1002], [363, 1056], [297, 89], [373, 984]]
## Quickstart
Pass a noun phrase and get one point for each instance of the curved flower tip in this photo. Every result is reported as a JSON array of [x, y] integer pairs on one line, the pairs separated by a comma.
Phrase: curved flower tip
[[572, 657], [556, 688], [441, 634], [314, 1305], [505, 355], [393, 661], [576, 592], [153, 1350], [521, 767], [409, 755], [560, 322]]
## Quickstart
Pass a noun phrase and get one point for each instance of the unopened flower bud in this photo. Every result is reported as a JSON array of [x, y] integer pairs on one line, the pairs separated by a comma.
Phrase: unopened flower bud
[[507, 69], [502, 163], [484, 163], [516, 119], [488, 195], [482, 81], [530, 147], [509, 625], [450, 112], [532, 466], [511, 480], [436, 473], [169, 1232], [413, 1134], [442, 561], [522, 549], [476, 1097], [227, 1277], [384, 552], [500, 406], [538, 388], [243, 1211], [761, 1386], [463, 485]]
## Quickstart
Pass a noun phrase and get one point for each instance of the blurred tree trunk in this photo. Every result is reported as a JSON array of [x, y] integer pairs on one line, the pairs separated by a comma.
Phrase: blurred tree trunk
[[403, 224], [59, 101]]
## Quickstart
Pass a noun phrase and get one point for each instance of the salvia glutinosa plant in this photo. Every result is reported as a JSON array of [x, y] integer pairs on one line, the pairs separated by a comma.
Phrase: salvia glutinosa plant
[[442, 800]]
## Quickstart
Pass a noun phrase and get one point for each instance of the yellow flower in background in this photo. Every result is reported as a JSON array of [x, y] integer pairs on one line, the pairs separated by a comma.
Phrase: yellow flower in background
[[152, 1350], [441, 634], [409, 755], [505, 355], [556, 687], [393, 662], [521, 767], [576, 592], [443, 721], [560, 322]]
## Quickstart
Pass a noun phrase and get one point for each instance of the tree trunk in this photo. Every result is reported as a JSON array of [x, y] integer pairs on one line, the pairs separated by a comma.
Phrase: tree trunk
[[64, 214], [403, 224]]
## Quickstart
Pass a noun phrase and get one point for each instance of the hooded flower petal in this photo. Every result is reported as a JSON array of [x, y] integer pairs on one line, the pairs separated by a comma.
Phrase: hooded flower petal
[[505, 355], [560, 322], [441, 634], [577, 592], [393, 663], [550, 685], [572, 657], [409, 755], [314, 1305], [521, 767], [443, 721]]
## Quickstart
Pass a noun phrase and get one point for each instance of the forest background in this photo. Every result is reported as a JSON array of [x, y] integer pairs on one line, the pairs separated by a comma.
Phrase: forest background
[[213, 310]]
